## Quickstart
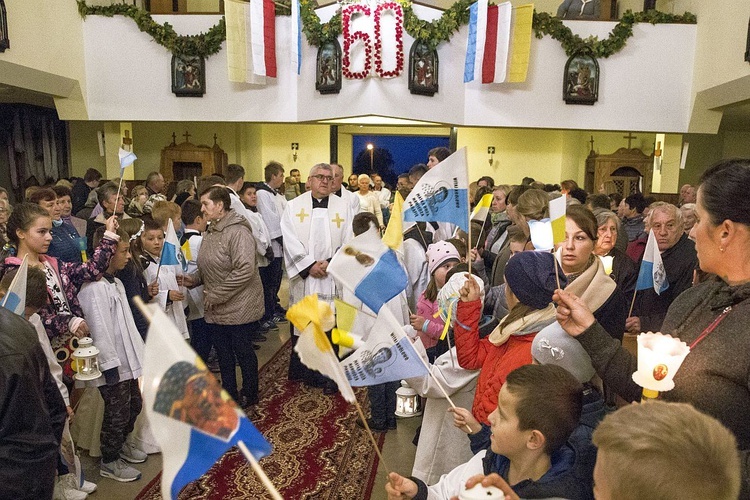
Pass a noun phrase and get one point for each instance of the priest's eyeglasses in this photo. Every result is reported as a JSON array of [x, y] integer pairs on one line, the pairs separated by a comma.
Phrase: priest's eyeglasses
[[322, 177]]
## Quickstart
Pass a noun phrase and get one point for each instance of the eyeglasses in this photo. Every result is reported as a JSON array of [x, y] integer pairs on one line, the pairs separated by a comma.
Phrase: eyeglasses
[[322, 177]]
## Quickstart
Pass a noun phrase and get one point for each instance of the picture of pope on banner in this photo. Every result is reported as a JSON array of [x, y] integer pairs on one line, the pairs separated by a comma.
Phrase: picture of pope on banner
[[386, 356]]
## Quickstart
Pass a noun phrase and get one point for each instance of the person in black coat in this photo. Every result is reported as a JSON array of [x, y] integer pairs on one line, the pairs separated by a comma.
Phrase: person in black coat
[[680, 260], [32, 413]]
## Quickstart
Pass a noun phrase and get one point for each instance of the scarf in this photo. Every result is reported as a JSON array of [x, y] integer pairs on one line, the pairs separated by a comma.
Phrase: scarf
[[593, 285], [530, 323]]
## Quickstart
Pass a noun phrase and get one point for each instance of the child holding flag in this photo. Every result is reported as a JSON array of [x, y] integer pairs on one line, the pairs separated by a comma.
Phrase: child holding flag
[[441, 257], [162, 279], [113, 330]]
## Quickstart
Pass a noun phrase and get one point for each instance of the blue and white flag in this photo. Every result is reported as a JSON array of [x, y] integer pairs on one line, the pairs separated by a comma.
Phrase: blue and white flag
[[194, 420], [126, 159], [442, 194], [15, 297], [386, 356], [369, 269], [171, 253], [296, 42], [652, 273]]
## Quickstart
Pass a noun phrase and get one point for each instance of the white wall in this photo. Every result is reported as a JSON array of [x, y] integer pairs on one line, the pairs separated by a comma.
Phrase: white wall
[[128, 79]]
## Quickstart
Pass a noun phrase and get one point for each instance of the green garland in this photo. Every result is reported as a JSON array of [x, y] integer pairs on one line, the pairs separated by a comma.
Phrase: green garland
[[545, 24], [203, 44], [433, 33]]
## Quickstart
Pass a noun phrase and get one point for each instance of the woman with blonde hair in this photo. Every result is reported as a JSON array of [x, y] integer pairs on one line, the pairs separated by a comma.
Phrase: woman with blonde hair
[[368, 199]]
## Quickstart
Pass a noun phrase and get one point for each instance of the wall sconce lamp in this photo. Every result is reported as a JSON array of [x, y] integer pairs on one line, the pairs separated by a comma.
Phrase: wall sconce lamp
[[491, 152], [295, 149]]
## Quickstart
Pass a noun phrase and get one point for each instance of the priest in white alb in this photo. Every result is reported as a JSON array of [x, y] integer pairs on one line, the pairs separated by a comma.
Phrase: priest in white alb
[[314, 225]]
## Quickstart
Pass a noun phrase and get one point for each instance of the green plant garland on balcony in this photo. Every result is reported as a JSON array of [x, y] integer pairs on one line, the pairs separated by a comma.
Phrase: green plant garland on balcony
[[431, 32]]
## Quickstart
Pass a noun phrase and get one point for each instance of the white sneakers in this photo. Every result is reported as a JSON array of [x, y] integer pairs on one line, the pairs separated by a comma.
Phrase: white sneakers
[[132, 454], [66, 488]]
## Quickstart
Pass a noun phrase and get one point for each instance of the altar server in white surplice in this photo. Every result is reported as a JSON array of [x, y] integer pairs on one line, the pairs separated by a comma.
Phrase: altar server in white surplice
[[314, 225]]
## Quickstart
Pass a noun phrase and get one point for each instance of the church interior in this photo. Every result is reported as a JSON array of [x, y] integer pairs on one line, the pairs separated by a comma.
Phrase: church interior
[[674, 100]]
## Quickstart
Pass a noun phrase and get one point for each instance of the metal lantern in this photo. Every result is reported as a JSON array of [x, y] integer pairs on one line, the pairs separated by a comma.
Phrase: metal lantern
[[86, 360], [407, 401]]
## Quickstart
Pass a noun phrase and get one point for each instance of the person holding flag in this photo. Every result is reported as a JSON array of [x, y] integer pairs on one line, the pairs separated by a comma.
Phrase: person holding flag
[[161, 268], [677, 252], [585, 271], [29, 233]]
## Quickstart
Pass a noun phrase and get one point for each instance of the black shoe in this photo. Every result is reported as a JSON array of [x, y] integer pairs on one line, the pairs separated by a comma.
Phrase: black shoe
[[256, 347], [258, 338], [392, 425], [373, 426]]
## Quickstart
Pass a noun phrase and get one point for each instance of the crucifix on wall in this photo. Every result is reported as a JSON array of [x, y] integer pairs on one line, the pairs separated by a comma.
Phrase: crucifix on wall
[[630, 138], [127, 141]]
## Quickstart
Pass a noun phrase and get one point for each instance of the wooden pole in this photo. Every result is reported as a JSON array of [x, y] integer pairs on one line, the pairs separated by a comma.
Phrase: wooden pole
[[253, 463], [259, 471], [394, 323], [632, 303]]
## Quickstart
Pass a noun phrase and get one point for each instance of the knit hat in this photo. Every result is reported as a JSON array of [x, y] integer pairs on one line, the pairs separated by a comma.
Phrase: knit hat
[[439, 253], [531, 277], [552, 346]]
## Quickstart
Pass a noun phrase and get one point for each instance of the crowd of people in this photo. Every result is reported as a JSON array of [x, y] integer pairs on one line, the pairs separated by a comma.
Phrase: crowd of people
[[533, 431]]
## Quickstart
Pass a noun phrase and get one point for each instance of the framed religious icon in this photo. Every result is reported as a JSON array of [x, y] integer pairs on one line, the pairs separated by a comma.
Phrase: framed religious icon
[[188, 76], [581, 80], [328, 68], [4, 40], [423, 69]]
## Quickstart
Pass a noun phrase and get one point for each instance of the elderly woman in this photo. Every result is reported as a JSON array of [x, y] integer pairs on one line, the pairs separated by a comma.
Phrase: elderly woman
[[688, 216], [624, 271], [711, 317], [585, 272], [230, 278], [368, 200]]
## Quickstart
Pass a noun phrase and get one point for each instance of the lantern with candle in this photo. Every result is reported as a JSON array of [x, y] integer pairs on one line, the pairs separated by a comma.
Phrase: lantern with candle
[[86, 360], [659, 358], [407, 401]]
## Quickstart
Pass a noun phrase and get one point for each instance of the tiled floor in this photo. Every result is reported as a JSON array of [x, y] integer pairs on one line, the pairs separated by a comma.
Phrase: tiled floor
[[398, 450]]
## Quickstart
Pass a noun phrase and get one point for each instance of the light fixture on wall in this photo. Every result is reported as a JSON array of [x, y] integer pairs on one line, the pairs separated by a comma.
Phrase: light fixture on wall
[[491, 152], [295, 150]]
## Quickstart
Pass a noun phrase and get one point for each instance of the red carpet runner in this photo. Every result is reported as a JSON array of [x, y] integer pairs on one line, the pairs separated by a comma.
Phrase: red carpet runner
[[318, 450]]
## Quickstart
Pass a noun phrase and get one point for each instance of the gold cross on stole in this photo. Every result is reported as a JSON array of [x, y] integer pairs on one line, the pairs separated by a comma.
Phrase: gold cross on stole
[[302, 215], [338, 220]]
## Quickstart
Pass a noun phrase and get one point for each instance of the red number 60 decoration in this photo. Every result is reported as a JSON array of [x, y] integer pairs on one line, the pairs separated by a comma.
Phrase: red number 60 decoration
[[352, 37]]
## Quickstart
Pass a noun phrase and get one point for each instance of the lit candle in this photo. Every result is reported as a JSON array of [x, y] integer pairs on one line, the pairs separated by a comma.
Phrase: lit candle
[[659, 358], [607, 262]]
